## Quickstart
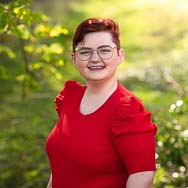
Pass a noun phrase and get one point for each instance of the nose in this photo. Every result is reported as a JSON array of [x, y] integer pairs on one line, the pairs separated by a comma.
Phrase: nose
[[94, 56]]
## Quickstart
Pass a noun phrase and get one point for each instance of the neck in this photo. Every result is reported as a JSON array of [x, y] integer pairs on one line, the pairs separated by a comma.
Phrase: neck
[[101, 87]]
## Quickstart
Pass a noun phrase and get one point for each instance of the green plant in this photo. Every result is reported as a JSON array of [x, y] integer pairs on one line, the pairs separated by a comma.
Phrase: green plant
[[37, 44]]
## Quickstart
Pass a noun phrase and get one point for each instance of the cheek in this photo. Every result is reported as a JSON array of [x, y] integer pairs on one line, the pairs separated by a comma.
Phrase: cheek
[[113, 62], [79, 64], [116, 60]]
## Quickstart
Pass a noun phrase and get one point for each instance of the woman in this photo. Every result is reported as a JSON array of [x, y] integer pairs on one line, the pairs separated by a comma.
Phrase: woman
[[104, 137]]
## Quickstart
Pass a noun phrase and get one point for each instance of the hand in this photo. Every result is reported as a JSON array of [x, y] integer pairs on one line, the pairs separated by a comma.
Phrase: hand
[[141, 180]]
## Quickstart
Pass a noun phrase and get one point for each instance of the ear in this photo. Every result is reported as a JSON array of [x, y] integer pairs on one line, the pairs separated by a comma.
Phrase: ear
[[73, 57], [121, 55]]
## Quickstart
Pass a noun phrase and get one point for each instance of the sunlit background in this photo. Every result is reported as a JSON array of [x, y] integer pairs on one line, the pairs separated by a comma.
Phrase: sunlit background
[[35, 61]]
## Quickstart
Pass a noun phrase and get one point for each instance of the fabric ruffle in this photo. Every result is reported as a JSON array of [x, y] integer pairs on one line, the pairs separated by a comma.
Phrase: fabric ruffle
[[60, 99], [133, 135], [131, 117]]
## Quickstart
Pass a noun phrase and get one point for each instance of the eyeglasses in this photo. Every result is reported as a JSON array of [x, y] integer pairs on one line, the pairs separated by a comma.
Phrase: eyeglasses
[[104, 52]]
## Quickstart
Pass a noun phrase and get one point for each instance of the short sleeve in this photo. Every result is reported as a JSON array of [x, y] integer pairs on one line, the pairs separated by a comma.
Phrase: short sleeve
[[134, 136], [62, 96]]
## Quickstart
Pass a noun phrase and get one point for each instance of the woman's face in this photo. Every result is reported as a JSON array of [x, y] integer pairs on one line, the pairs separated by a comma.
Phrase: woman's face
[[96, 57]]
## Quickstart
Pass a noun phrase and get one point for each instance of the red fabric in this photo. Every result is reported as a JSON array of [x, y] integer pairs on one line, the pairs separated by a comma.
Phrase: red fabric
[[101, 149]]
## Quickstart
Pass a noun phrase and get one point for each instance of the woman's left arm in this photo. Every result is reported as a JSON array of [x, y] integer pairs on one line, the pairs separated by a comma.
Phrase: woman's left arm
[[141, 180]]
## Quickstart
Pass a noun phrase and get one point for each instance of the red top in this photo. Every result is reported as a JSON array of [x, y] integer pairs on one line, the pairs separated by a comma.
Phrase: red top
[[101, 149]]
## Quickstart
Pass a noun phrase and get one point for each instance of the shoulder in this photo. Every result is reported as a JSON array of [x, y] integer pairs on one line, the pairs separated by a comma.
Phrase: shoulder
[[70, 87], [130, 115], [128, 103]]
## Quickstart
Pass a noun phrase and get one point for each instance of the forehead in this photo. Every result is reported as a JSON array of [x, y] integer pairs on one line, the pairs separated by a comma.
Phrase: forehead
[[96, 39]]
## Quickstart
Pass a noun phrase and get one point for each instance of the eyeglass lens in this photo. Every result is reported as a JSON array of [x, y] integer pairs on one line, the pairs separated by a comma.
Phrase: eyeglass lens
[[85, 53]]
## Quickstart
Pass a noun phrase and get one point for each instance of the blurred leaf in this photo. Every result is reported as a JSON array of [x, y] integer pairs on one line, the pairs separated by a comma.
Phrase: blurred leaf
[[56, 48], [57, 30], [8, 51]]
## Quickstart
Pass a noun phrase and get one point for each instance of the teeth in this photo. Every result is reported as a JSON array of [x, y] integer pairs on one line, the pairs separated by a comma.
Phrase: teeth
[[96, 67]]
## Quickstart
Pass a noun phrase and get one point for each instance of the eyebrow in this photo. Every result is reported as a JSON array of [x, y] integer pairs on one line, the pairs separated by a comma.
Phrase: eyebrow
[[88, 48], [84, 48], [105, 46]]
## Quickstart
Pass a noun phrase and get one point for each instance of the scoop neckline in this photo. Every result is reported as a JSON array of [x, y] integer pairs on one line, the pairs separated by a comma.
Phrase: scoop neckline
[[100, 107]]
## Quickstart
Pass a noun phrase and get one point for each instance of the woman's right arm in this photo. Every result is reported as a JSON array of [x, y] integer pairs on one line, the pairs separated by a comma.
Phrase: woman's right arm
[[50, 182]]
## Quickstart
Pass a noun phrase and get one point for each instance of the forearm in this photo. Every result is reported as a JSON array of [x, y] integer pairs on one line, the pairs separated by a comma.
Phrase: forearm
[[50, 182], [140, 180]]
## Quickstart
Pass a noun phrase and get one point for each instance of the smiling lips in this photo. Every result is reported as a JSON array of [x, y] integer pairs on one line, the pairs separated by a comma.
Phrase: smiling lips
[[93, 68]]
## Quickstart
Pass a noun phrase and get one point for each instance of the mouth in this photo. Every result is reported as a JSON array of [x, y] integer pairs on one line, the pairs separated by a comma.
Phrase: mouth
[[96, 68]]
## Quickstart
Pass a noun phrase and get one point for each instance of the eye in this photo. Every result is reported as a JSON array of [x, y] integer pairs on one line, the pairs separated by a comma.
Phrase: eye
[[105, 50], [84, 52]]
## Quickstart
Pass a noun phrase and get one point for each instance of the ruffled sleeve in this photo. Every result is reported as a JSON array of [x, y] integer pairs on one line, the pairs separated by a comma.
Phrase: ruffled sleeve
[[63, 94], [134, 135]]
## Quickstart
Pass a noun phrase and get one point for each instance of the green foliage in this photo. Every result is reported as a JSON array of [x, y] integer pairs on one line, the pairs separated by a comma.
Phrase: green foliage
[[35, 54], [31, 49], [23, 160], [172, 140], [39, 42]]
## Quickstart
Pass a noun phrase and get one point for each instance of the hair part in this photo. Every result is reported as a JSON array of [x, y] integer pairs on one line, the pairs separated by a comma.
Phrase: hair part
[[96, 25]]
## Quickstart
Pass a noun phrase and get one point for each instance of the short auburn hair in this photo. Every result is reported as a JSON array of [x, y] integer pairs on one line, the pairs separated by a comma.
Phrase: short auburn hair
[[96, 25]]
